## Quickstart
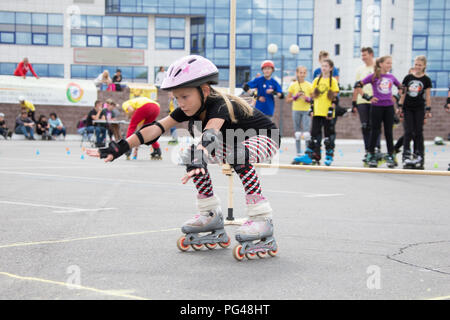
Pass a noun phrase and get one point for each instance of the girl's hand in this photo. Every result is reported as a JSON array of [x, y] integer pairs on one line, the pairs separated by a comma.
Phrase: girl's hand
[[192, 173], [94, 153], [428, 115], [262, 99], [374, 100], [269, 91]]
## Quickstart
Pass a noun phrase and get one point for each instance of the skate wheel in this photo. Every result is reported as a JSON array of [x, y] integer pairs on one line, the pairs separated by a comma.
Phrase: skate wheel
[[197, 247], [237, 253], [225, 244], [273, 253], [251, 256], [211, 246], [181, 245], [261, 254]]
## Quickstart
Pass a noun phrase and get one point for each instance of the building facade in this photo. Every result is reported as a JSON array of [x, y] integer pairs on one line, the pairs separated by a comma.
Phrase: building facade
[[81, 38]]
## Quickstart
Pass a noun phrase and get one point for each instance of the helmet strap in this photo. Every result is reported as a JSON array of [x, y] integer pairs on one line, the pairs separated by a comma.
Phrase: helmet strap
[[203, 106]]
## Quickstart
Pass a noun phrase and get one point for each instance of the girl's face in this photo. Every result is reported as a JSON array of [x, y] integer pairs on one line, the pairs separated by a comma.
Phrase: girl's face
[[386, 65], [301, 74], [267, 71], [188, 100], [325, 68], [419, 66]]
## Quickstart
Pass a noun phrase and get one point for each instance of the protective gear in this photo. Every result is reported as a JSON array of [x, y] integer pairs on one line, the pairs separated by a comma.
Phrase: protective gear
[[438, 141], [141, 138], [267, 63], [330, 112], [357, 84], [190, 72], [21, 98], [209, 137], [246, 87], [194, 159], [116, 149], [367, 97], [298, 135]]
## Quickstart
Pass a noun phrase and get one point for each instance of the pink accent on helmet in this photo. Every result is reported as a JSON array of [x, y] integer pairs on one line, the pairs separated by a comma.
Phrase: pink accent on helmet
[[189, 70]]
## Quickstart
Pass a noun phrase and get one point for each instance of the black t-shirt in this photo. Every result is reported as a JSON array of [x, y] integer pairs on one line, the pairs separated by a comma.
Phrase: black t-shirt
[[256, 124], [415, 90], [2, 123], [89, 120]]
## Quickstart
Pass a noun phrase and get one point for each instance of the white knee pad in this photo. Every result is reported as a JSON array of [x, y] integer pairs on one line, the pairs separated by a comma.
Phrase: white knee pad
[[306, 136], [298, 135]]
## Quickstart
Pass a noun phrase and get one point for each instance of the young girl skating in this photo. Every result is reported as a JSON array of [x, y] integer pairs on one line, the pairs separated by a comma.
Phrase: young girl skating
[[223, 118]]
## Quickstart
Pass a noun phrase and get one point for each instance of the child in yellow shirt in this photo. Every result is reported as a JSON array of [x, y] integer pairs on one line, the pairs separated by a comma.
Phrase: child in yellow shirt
[[299, 93]]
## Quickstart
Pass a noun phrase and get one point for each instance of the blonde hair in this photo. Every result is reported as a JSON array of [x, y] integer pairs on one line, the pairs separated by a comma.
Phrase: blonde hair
[[241, 103], [423, 59]]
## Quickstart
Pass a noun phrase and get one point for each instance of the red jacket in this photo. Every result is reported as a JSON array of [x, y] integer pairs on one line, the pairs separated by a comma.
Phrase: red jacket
[[22, 70]]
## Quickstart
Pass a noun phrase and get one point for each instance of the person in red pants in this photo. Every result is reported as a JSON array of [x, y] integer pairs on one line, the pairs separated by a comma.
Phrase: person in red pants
[[142, 111]]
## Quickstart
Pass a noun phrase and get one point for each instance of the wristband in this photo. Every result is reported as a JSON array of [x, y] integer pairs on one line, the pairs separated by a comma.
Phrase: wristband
[[330, 112], [367, 97], [116, 149], [427, 109]]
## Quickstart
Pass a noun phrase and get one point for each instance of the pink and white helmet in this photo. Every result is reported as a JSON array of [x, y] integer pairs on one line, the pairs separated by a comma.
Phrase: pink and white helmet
[[190, 71]]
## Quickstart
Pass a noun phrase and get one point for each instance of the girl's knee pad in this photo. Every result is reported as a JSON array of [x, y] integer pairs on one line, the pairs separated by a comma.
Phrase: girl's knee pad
[[298, 135]]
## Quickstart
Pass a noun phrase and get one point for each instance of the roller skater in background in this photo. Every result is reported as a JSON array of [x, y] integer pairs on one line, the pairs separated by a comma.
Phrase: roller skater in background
[[190, 79], [300, 92], [382, 110], [142, 111], [267, 87], [325, 91], [415, 106]]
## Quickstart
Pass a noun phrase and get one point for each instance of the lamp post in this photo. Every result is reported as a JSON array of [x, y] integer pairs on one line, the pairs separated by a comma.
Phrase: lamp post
[[294, 50]]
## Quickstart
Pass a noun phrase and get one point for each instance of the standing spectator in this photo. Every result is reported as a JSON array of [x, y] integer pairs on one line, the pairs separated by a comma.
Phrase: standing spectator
[[103, 81], [27, 106], [267, 87], [110, 113], [160, 77], [56, 126], [322, 56], [415, 105], [23, 67], [117, 78], [300, 92], [43, 128], [24, 125], [360, 104], [382, 110], [3, 129]]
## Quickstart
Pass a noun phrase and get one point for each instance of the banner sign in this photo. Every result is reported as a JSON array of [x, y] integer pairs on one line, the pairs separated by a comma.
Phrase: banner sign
[[48, 91]]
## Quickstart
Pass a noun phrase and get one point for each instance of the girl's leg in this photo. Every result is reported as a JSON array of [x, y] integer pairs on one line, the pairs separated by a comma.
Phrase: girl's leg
[[388, 120], [296, 117], [376, 114], [418, 131], [409, 129]]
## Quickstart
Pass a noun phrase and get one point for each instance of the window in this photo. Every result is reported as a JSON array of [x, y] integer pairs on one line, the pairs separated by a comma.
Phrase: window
[[42, 70], [243, 41], [135, 74], [305, 41], [169, 33], [338, 23], [221, 40], [337, 49], [392, 23], [110, 32], [391, 49], [25, 28]]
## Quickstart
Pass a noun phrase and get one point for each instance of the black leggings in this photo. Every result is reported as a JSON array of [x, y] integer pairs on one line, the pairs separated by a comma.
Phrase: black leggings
[[414, 129], [318, 123], [380, 115], [364, 117]]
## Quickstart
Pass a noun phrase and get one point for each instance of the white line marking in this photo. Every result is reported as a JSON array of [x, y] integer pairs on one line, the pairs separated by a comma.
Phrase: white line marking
[[62, 209]]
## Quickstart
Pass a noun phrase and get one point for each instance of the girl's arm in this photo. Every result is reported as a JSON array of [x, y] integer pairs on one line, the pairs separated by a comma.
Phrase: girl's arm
[[428, 103], [148, 134]]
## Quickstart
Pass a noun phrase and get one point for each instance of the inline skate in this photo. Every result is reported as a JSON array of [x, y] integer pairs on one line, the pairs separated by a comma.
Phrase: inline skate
[[255, 236], [156, 154], [209, 221]]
